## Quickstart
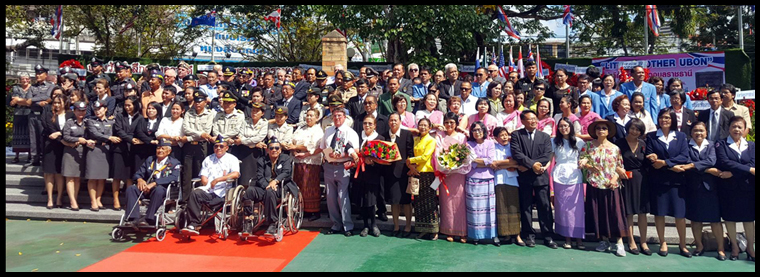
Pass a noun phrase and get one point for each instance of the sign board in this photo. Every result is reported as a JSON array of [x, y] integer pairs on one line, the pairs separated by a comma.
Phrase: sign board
[[694, 69]]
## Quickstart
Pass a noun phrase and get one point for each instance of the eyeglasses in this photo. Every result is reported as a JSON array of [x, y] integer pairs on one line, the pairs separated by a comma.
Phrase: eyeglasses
[[465, 89], [274, 148], [492, 70], [218, 146], [540, 88], [414, 69], [368, 103], [601, 128]]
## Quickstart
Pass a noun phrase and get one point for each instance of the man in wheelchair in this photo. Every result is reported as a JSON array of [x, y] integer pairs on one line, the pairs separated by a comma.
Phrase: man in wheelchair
[[275, 173], [159, 171], [216, 169]]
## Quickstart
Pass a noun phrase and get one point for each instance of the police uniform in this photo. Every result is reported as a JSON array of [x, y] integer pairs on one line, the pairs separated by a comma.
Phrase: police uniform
[[99, 157], [194, 151], [162, 173], [283, 133], [73, 162], [21, 125], [243, 93], [228, 125], [119, 88], [323, 91], [251, 134], [212, 168], [38, 92], [89, 88], [351, 92], [327, 121]]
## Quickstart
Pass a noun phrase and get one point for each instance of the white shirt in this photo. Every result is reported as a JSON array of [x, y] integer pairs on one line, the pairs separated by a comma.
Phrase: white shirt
[[348, 136], [366, 138], [395, 135], [213, 167], [648, 123], [61, 120], [468, 106], [152, 122], [699, 148], [671, 136], [622, 121], [130, 118], [503, 176], [566, 171], [743, 145], [157, 166], [171, 128], [309, 137]]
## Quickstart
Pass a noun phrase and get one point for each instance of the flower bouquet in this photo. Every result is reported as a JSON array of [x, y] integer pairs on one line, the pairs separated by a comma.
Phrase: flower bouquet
[[456, 159], [382, 152], [698, 94]]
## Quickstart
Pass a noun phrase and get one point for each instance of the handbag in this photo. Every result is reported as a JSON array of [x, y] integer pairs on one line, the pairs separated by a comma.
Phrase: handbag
[[741, 240], [413, 187], [709, 241]]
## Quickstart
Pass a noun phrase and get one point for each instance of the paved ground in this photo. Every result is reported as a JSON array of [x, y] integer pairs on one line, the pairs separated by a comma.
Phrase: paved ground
[[33, 245]]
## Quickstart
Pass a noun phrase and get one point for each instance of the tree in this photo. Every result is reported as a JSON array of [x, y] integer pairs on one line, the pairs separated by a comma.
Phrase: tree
[[29, 22], [155, 32]]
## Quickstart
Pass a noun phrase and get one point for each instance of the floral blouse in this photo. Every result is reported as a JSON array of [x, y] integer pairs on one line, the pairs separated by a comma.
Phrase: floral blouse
[[607, 160]]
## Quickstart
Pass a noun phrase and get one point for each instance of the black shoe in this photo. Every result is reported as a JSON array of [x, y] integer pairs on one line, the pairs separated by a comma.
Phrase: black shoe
[[316, 216], [685, 253], [331, 231], [734, 258], [348, 234], [395, 233], [375, 231], [699, 253], [246, 230], [272, 229], [646, 252], [143, 224], [382, 217], [750, 258], [364, 232], [406, 234], [496, 242], [360, 217], [531, 243], [94, 210], [15, 160], [634, 251], [662, 253], [74, 209], [721, 257], [475, 241], [550, 243]]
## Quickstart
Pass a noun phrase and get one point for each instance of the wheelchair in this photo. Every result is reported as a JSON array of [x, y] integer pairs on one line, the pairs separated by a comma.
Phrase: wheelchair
[[173, 195], [220, 213], [290, 204]]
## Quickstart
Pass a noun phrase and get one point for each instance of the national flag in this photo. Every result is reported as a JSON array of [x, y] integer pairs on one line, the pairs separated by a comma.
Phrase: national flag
[[206, 19], [653, 19], [477, 62], [520, 67], [493, 55], [530, 52], [57, 22], [129, 24], [568, 16], [512, 65], [502, 16], [274, 17], [540, 71], [502, 68]]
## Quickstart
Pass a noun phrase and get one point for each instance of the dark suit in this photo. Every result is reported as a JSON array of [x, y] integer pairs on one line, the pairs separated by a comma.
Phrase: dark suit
[[381, 126], [168, 174], [243, 94], [620, 132], [122, 152], [283, 172], [52, 153], [301, 90], [294, 109], [445, 88], [723, 122], [368, 186], [737, 194], [145, 135], [355, 106], [272, 95], [688, 118], [395, 183], [405, 86], [533, 188], [168, 112], [668, 197]]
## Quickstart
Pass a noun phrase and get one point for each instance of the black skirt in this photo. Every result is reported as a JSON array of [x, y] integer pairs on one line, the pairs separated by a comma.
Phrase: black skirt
[[737, 205], [608, 211], [702, 205], [52, 157], [122, 166], [21, 142], [395, 190], [635, 194]]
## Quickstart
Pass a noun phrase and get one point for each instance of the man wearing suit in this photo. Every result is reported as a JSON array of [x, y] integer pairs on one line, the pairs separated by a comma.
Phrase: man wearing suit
[[302, 86], [271, 93], [649, 91], [275, 171], [684, 116], [450, 86], [355, 105], [386, 99], [370, 107], [153, 177], [405, 85], [716, 118], [289, 101], [168, 95], [532, 150]]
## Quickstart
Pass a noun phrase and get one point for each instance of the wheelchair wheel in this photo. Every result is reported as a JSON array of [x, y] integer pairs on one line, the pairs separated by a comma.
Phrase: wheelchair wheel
[[295, 212], [160, 234], [236, 209], [117, 234], [225, 232], [278, 235]]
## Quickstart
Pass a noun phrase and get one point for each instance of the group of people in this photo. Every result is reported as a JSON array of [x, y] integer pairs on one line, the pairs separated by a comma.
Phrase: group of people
[[596, 154]]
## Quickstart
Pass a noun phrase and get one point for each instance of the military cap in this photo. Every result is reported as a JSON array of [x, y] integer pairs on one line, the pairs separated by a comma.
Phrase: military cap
[[99, 103], [199, 95], [190, 77], [129, 86], [256, 105], [321, 75], [64, 70], [371, 72], [314, 91], [245, 71], [183, 64], [96, 62], [164, 142], [40, 69], [281, 110], [273, 140], [202, 75], [290, 84], [228, 96], [81, 106], [219, 139], [348, 76], [122, 65], [71, 76], [157, 74], [228, 70], [335, 100]]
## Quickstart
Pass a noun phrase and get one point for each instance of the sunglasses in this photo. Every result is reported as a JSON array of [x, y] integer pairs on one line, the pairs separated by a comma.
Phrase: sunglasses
[[218, 146], [478, 75], [414, 69], [601, 128], [540, 88], [465, 89], [492, 70], [274, 148]]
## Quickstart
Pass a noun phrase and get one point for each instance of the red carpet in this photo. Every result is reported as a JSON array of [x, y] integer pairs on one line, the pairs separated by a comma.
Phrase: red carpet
[[207, 253]]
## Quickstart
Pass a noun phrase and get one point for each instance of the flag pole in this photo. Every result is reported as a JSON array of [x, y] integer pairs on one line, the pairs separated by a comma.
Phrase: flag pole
[[60, 45], [646, 33], [567, 43], [741, 27], [213, 36]]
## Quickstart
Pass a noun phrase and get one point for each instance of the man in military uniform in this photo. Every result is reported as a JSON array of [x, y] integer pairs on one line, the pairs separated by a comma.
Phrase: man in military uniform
[[244, 91], [321, 86], [374, 88], [37, 97], [271, 93], [279, 128], [526, 84], [118, 89], [228, 122], [97, 73], [183, 69], [347, 89], [197, 125], [336, 102], [189, 81], [160, 170]]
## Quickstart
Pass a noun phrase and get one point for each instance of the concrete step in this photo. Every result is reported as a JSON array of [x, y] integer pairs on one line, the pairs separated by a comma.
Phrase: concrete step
[[39, 195]]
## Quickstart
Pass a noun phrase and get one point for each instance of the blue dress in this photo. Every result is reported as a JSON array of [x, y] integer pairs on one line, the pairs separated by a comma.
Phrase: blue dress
[[702, 204], [667, 190], [737, 194]]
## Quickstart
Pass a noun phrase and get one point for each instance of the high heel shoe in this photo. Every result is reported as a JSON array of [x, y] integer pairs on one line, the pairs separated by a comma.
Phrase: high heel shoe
[[734, 258], [750, 258], [395, 233], [721, 257], [496, 242], [686, 254], [699, 253]]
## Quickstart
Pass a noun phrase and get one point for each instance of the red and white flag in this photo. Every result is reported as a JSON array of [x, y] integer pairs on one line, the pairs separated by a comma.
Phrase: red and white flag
[[274, 17], [520, 67], [57, 22], [540, 72], [653, 19]]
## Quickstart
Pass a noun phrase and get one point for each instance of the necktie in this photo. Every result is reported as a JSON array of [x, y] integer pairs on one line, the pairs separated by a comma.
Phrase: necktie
[[714, 127], [335, 140], [393, 137]]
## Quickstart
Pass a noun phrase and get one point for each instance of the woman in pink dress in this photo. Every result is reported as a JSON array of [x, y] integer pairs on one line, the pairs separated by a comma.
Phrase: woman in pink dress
[[510, 117], [545, 120], [408, 121], [586, 117], [452, 204], [431, 113], [483, 116]]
